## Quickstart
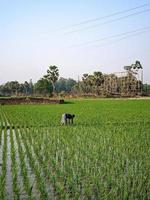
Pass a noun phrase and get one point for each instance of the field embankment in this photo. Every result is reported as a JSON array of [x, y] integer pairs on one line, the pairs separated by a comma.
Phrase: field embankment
[[29, 100]]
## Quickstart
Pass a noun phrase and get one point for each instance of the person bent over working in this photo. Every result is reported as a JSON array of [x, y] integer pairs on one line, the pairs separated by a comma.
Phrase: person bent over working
[[67, 119]]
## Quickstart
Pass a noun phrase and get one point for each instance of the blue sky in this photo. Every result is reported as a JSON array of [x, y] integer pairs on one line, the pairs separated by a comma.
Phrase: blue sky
[[38, 33]]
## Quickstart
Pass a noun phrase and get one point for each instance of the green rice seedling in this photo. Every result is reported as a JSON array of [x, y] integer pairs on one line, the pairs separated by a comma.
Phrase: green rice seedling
[[1, 130], [35, 168], [26, 182], [14, 168], [3, 173]]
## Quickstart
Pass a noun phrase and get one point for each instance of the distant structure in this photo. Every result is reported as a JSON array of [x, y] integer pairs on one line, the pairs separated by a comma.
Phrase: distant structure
[[126, 83]]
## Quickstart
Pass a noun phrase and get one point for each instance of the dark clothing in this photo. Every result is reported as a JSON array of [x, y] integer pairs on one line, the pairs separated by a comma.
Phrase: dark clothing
[[67, 118]]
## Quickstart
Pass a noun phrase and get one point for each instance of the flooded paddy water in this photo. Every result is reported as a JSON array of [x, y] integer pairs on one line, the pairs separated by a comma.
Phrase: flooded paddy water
[[20, 177]]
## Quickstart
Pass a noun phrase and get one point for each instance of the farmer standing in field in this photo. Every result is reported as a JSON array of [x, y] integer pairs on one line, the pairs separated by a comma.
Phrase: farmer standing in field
[[67, 118]]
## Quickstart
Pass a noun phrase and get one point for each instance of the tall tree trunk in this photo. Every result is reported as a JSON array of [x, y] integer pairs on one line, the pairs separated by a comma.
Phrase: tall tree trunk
[[54, 89]]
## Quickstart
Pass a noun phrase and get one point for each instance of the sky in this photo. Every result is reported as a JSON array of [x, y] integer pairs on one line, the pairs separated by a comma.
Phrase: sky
[[80, 36]]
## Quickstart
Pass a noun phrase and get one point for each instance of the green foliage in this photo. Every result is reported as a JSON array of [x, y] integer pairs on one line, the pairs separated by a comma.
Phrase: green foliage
[[43, 87], [65, 85], [12, 88], [146, 89]]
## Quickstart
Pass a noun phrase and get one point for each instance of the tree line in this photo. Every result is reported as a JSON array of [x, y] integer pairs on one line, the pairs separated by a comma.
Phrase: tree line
[[96, 84], [41, 88]]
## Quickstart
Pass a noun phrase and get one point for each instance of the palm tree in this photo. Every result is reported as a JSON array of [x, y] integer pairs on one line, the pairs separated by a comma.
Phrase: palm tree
[[137, 65], [52, 75]]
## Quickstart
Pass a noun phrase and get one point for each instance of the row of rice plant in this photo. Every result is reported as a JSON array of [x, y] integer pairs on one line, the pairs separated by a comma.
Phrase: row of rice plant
[[35, 167], [26, 173], [3, 166]]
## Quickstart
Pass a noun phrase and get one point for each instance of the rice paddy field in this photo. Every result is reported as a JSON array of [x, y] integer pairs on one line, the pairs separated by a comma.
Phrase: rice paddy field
[[104, 155]]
